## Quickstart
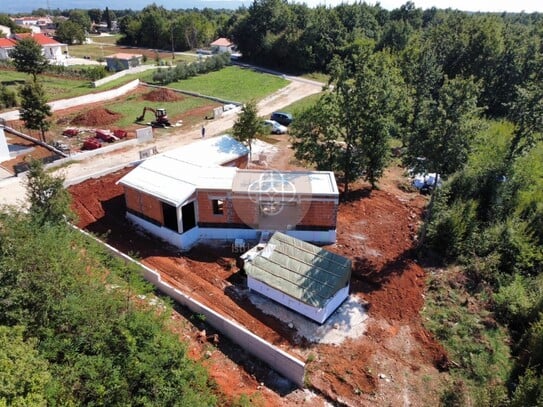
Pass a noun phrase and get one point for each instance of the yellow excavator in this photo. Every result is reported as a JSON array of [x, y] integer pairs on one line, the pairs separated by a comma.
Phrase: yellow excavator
[[161, 118]]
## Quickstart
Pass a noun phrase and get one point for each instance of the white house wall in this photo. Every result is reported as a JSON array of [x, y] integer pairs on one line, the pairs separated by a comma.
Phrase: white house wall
[[316, 314], [4, 54], [184, 241]]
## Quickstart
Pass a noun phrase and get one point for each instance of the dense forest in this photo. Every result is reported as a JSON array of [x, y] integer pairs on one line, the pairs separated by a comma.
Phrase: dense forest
[[461, 93]]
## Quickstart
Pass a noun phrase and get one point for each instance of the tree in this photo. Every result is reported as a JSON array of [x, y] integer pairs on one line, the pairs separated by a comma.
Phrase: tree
[[95, 14], [445, 129], [27, 56], [248, 125], [356, 120], [108, 16], [69, 32], [81, 17], [527, 115], [49, 201], [24, 374], [34, 108]]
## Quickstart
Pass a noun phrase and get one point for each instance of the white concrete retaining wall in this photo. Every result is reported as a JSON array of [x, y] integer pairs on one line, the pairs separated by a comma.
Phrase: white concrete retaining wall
[[285, 364], [120, 74]]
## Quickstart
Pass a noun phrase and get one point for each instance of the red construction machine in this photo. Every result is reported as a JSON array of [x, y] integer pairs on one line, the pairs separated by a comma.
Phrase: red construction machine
[[161, 118]]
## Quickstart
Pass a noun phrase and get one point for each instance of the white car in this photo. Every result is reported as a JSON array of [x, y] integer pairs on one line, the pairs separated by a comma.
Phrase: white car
[[274, 127]]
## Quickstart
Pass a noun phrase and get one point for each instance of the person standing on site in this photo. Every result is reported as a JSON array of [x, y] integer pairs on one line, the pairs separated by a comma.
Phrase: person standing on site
[[203, 131]]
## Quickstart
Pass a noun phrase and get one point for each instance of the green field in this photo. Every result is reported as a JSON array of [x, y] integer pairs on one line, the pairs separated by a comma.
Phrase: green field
[[132, 107], [62, 88], [302, 104], [55, 87], [233, 83], [100, 50]]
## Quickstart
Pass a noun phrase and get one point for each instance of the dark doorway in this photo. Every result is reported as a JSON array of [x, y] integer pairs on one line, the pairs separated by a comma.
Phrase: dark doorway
[[188, 217], [170, 216]]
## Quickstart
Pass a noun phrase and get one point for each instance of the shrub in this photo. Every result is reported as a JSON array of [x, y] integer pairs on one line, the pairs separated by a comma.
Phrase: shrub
[[8, 98]]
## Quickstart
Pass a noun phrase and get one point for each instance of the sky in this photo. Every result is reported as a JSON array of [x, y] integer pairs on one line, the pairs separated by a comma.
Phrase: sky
[[14, 6]]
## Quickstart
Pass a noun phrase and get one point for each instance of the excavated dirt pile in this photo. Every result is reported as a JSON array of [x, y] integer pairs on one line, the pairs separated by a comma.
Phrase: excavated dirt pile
[[163, 95], [96, 117]]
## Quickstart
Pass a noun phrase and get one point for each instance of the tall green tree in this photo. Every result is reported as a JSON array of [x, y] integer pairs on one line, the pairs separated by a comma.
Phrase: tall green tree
[[248, 125], [81, 18], [527, 115], [69, 32], [95, 14], [27, 56], [355, 121], [49, 200], [445, 129], [34, 109]]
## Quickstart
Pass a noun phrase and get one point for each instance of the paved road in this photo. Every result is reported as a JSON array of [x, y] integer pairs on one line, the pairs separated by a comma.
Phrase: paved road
[[12, 190]]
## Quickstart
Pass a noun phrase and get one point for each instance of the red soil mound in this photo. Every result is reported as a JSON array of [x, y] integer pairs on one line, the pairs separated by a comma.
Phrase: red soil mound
[[96, 117], [163, 95]]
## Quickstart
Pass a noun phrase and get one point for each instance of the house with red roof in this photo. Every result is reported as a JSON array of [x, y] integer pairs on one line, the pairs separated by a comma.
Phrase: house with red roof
[[221, 45], [6, 45], [52, 49]]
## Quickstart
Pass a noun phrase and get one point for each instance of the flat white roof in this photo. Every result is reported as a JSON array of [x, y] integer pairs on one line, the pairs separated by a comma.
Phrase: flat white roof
[[211, 151], [286, 182], [174, 176]]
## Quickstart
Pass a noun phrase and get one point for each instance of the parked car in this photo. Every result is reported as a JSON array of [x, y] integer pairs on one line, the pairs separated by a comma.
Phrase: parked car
[[282, 118], [274, 127]]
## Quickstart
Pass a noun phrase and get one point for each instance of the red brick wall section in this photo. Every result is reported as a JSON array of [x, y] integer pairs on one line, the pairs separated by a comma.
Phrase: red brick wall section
[[240, 162], [144, 204], [321, 213], [205, 206], [132, 198]]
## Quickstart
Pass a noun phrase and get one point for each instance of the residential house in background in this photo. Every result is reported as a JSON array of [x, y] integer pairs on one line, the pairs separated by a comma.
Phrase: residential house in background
[[122, 61], [36, 24], [5, 30], [6, 45], [53, 50], [221, 45]]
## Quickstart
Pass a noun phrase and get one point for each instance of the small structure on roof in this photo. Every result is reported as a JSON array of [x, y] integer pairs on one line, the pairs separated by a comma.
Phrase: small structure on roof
[[122, 61], [221, 45], [201, 192], [305, 278]]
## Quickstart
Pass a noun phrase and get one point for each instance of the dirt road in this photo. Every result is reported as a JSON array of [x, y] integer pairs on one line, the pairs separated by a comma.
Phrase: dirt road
[[12, 191]]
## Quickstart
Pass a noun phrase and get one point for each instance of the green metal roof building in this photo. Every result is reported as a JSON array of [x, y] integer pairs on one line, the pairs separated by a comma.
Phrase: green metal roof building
[[301, 276]]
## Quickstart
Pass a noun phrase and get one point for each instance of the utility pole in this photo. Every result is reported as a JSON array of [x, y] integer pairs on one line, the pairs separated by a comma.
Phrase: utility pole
[[173, 48]]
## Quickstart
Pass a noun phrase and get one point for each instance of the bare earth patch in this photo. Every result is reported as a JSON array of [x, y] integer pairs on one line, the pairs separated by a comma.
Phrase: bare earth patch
[[376, 353]]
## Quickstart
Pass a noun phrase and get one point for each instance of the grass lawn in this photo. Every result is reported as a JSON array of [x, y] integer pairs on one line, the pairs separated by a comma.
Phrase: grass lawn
[[55, 87], [233, 83], [62, 88], [99, 50], [302, 104], [106, 39], [132, 107]]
